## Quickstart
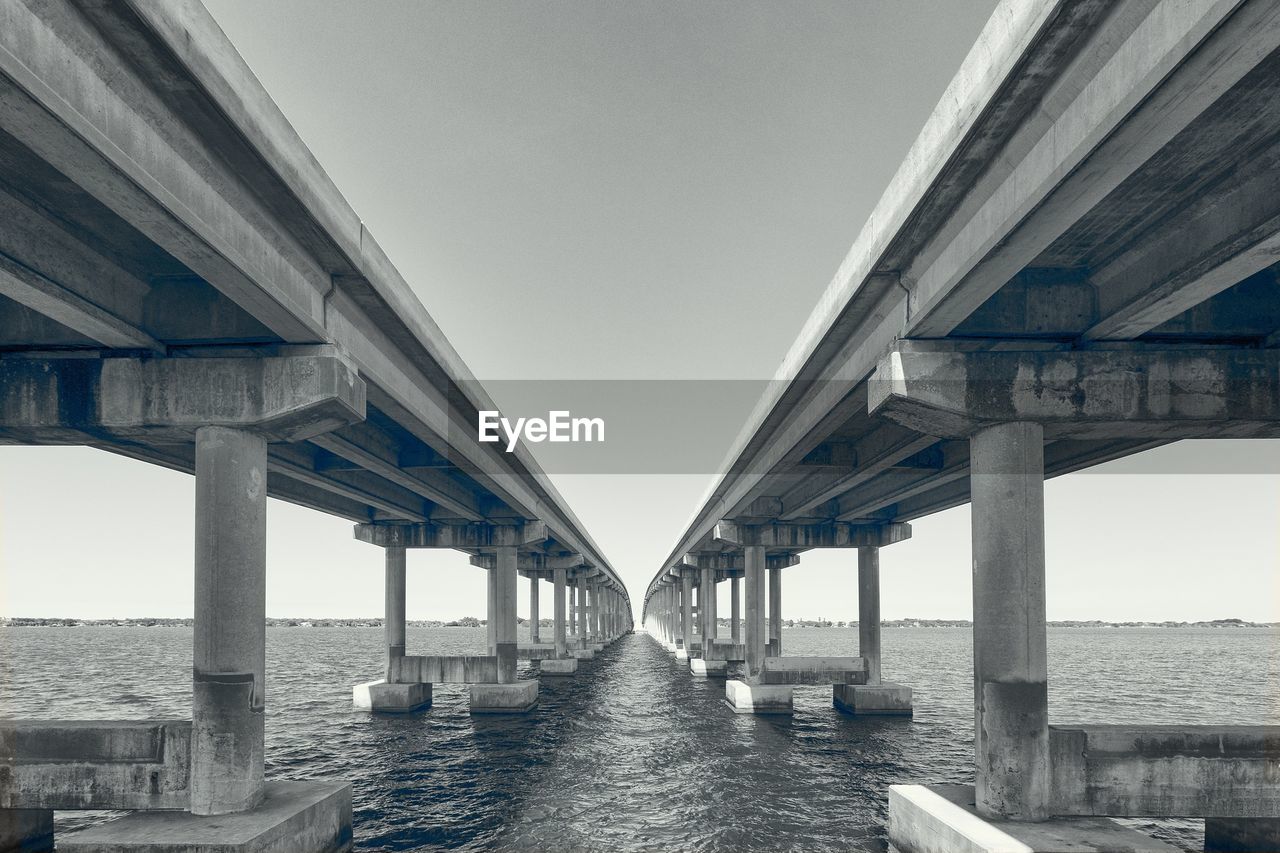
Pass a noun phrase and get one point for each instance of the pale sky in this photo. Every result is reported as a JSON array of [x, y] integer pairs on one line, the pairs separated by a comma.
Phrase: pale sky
[[627, 190]]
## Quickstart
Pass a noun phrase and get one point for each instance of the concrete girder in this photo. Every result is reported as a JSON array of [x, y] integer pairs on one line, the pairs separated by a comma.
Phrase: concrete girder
[[801, 537], [286, 398], [1095, 394], [462, 537]]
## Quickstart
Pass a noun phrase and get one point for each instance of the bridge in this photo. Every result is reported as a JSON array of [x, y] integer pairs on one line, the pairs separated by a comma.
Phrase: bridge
[[181, 284], [1077, 261]]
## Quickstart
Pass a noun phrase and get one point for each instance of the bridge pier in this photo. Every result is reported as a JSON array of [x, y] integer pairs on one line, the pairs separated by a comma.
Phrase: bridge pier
[[875, 697], [775, 611], [383, 695], [534, 627], [735, 612]]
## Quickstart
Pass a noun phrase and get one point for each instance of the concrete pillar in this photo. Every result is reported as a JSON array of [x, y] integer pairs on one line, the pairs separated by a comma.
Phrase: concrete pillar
[[686, 609], [753, 562], [534, 634], [1011, 706], [735, 612], [558, 631], [491, 607], [505, 579], [707, 601], [229, 643], [393, 622], [869, 610], [775, 610]]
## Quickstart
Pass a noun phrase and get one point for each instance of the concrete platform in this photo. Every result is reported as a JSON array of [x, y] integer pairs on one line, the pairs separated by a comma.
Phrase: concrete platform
[[391, 698], [708, 668], [295, 817], [515, 697], [942, 819], [582, 654], [559, 667], [744, 697], [884, 699]]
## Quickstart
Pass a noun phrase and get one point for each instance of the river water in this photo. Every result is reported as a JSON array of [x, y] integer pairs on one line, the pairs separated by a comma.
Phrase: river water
[[634, 754]]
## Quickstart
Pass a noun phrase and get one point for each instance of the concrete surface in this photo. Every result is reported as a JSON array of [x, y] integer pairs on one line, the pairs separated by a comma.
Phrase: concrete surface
[[883, 699], [558, 667], [391, 698], [744, 697], [708, 668], [515, 697]]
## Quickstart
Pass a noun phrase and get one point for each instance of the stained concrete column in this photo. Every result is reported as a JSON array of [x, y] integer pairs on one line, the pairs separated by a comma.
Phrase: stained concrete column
[[775, 610], [707, 601], [491, 609], [686, 609], [505, 580], [534, 634], [229, 643], [558, 631], [393, 623], [1009, 660], [573, 608], [753, 561], [735, 612], [869, 610]]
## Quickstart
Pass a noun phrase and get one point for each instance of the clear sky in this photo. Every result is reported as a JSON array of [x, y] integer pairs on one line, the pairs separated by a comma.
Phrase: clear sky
[[627, 190]]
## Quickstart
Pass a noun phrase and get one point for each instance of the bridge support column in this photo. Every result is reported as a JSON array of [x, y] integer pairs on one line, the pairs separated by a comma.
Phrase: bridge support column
[[775, 612], [534, 628], [382, 695], [875, 697], [708, 664], [1009, 661], [491, 609], [686, 617], [756, 630], [509, 695], [564, 663], [229, 644], [735, 612]]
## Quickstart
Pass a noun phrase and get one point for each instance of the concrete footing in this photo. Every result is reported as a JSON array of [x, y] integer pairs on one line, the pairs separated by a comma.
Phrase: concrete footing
[[744, 697], [884, 699], [704, 668], [582, 654], [294, 817], [559, 667], [514, 697], [1238, 835], [26, 830], [682, 654], [943, 819], [391, 698]]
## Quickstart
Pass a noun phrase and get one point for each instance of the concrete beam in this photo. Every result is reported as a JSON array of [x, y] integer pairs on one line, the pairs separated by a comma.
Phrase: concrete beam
[[1166, 771], [286, 398], [463, 537], [61, 764], [801, 537], [443, 669], [1096, 394], [813, 670]]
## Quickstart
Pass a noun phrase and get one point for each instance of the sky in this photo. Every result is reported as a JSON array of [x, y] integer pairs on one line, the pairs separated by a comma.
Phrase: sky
[[627, 190]]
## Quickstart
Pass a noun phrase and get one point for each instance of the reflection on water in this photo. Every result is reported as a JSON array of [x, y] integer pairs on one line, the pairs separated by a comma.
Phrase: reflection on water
[[633, 754]]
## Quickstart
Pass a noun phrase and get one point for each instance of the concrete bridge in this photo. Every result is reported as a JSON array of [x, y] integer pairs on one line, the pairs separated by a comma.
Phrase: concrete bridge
[[180, 283], [1077, 261]]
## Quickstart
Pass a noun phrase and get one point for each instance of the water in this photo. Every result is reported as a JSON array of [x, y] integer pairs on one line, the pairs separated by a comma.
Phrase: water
[[633, 754]]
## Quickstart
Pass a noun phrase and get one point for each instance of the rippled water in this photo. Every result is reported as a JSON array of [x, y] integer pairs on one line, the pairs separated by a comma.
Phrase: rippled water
[[634, 754]]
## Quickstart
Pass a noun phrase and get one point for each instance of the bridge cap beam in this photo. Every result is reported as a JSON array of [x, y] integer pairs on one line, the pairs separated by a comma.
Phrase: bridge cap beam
[[460, 536], [731, 564], [1131, 393], [283, 398], [803, 537]]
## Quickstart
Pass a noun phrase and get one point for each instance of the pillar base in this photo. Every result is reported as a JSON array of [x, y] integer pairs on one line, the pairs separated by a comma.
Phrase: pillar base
[[884, 699], [514, 697], [582, 654], [558, 667], [943, 819], [1237, 835], [306, 817], [744, 697], [387, 698], [26, 830], [682, 654], [706, 668]]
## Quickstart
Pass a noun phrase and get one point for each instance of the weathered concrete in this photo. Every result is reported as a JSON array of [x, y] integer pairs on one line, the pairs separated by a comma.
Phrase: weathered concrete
[[944, 819], [756, 632], [558, 667], [392, 698], [514, 697], [57, 764], [813, 670], [393, 624], [1166, 771], [229, 642], [560, 578], [1009, 661], [750, 697], [882, 699], [735, 612], [444, 669], [504, 614], [534, 627], [583, 654], [727, 650], [26, 830], [707, 668], [542, 651], [869, 610], [293, 817]]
